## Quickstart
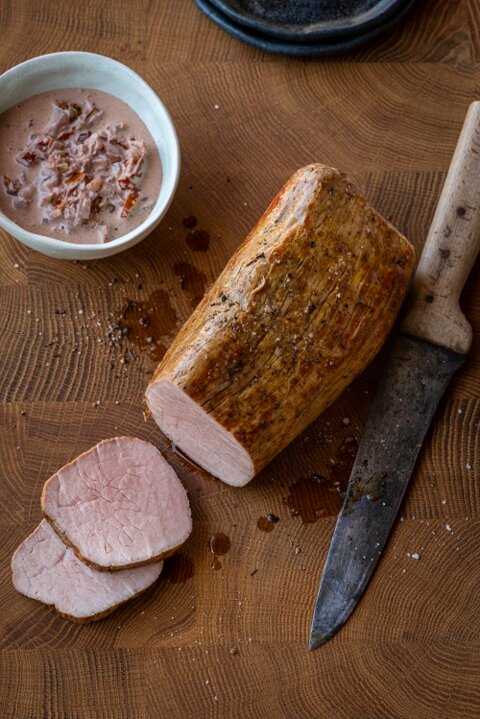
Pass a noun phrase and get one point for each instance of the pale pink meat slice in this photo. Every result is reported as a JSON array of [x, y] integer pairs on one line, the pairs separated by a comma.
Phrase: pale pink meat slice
[[210, 445], [120, 504], [45, 569]]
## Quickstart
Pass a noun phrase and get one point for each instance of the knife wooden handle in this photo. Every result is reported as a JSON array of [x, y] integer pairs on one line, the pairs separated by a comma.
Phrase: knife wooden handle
[[450, 250]]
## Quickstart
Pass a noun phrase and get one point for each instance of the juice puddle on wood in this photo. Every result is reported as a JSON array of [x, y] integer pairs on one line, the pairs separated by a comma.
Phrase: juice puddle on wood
[[192, 281], [190, 221], [198, 240], [318, 496], [178, 568], [219, 545], [266, 524], [148, 322]]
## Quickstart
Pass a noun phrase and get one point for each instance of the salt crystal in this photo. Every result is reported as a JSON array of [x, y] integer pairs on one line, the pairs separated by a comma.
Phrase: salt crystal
[[346, 421], [216, 107], [415, 555], [448, 528]]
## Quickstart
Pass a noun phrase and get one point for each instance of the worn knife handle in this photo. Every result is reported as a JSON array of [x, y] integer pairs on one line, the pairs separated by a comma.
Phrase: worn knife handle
[[452, 245]]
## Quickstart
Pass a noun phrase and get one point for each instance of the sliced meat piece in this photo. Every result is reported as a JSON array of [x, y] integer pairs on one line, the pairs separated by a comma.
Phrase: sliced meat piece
[[44, 568], [298, 312], [118, 505]]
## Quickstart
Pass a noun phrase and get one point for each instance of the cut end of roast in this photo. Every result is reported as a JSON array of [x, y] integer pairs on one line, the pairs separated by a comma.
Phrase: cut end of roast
[[119, 505], [198, 434], [43, 568]]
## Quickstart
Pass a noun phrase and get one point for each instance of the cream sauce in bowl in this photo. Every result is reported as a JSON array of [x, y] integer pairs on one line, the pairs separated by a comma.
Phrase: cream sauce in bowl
[[77, 165]]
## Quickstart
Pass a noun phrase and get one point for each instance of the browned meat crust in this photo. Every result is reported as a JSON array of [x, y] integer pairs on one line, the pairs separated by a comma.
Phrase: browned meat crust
[[298, 312]]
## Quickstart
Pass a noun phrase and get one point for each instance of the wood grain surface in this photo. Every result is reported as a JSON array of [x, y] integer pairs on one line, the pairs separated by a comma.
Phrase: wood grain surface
[[232, 642]]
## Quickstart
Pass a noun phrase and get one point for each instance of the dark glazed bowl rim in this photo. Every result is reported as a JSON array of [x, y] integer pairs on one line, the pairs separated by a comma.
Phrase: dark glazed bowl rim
[[328, 29], [312, 49]]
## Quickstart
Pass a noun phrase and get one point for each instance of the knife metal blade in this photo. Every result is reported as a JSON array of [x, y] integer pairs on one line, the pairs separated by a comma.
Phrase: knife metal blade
[[412, 385], [435, 338]]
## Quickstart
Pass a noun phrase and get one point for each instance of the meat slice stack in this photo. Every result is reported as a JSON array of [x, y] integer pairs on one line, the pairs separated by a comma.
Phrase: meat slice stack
[[111, 516], [44, 568]]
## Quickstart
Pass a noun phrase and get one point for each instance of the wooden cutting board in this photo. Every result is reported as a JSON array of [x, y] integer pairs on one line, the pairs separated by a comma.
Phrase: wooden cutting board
[[230, 640]]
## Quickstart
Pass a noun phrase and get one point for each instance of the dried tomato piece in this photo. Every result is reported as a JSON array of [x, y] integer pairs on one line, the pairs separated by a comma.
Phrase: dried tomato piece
[[128, 204], [116, 141], [11, 186], [125, 183], [58, 203], [76, 177], [27, 158], [96, 204], [44, 144]]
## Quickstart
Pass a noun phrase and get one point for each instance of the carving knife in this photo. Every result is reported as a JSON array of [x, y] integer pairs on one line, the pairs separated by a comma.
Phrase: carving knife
[[433, 341]]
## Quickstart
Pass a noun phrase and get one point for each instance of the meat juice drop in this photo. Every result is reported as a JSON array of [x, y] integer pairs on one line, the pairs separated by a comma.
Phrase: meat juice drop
[[192, 281], [189, 222], [266, 524], [148, 322], [198, 240], [318, 496], [219, 545], [178, 569]]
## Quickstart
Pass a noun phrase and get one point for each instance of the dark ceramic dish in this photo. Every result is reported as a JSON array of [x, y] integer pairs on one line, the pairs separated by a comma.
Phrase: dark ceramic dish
[[297, 49], [309, 20]]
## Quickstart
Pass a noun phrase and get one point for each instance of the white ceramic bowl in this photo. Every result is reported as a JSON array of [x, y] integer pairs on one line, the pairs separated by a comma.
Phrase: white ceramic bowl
[[96, 72]]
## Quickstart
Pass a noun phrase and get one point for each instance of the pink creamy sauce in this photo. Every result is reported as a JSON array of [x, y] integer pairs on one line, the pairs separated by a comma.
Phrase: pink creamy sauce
[[77, 165]]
